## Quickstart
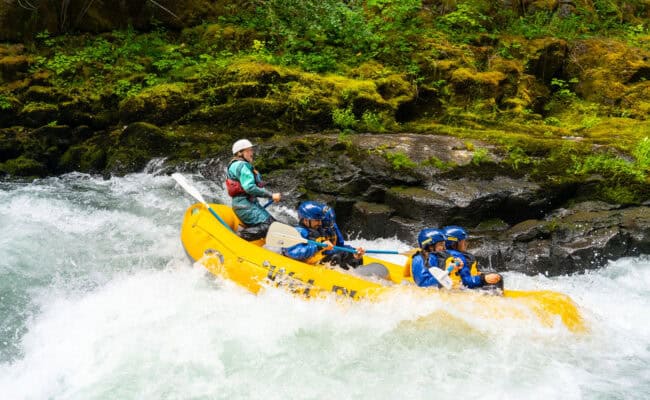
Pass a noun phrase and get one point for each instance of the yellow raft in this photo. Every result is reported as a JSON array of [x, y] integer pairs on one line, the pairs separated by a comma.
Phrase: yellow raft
[[254, 267]]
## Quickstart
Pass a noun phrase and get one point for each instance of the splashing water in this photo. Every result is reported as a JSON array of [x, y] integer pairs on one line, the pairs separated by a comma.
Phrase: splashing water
[[98, 301]]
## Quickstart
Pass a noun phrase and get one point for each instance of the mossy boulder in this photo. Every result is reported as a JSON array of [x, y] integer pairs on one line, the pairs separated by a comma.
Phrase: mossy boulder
[[607, 69], [471, 85], [636, 101], [243, 113], [13, 67], [250, 70], [145, 136], [44, 94], [396, 89], [10, 146], [136, 145], [89, 156], [159, 104], [234, 90], [23, 166], [36, 114]]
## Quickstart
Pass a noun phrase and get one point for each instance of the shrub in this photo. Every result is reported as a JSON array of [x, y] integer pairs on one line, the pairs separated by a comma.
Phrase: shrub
[[344, 118]]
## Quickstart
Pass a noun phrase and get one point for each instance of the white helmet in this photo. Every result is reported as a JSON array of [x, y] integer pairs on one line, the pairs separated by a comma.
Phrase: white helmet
[[240, 145]]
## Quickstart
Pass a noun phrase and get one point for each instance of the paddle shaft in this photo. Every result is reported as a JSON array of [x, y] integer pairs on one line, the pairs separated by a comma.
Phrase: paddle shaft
[[197, 195]]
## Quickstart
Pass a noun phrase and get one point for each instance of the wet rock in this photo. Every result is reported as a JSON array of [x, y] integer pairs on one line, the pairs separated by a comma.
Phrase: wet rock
[[371, 217], [575, 242], [419, 204]]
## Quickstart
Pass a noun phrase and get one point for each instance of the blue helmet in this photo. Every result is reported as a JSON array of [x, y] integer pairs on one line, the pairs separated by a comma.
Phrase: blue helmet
[[311, 210], [454, 235], [430, 236], [330, 217]]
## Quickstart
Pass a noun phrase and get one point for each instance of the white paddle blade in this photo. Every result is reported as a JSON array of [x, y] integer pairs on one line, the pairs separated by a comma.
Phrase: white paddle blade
[[180, 179], [281, 235], [441, 276]]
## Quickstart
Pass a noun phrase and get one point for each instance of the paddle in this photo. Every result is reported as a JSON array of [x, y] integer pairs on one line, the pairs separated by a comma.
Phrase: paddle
[[282, 235], [180, 179], [442, 276]]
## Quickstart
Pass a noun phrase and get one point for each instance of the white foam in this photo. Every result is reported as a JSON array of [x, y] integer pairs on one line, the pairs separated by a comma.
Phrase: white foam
[[119, 313]]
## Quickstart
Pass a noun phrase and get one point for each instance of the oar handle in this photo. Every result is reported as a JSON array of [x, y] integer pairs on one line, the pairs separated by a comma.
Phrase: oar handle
[[382, 252], [319, 244], [349, 250]]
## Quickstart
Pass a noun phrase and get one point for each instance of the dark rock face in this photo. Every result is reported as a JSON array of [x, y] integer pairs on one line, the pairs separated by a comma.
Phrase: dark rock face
[[575, 242]]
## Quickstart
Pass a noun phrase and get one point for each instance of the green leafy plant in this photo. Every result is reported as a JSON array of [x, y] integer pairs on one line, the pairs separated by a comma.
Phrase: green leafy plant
[[372, 122], [465, 19], [400, 160], [517, 157], [611, 167], [344, 118], [642, 154], [553, 121], [5, 104], [124, 88], [590, 121], [480, 155], [563, 90], [437, 163]]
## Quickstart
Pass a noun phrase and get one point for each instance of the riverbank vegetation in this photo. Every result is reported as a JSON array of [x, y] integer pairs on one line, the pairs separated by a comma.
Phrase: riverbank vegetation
[[561, 89]]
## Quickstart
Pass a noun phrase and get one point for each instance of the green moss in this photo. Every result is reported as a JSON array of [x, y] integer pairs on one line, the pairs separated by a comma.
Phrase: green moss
[[226, 37], [642, 154], [415, 192], [23, 166], [620, 194], [400, 161], [373, 208], [159, 104], [476, 84], [437, 163], [86, 157]]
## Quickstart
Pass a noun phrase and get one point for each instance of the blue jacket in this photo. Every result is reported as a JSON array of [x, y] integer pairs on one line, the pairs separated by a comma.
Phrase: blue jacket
[[420, 270], [469, 280], [304, 251], [311, 253], [248, 210]]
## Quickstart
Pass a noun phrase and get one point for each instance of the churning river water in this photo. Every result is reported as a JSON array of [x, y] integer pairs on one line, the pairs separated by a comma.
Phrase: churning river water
[[98, 301]]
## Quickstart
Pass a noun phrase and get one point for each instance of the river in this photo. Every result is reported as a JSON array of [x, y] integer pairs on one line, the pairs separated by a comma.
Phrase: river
[[98, 301]]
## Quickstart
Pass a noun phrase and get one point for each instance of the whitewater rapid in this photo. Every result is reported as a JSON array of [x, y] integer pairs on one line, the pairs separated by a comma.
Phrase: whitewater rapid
[[98, 301]]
